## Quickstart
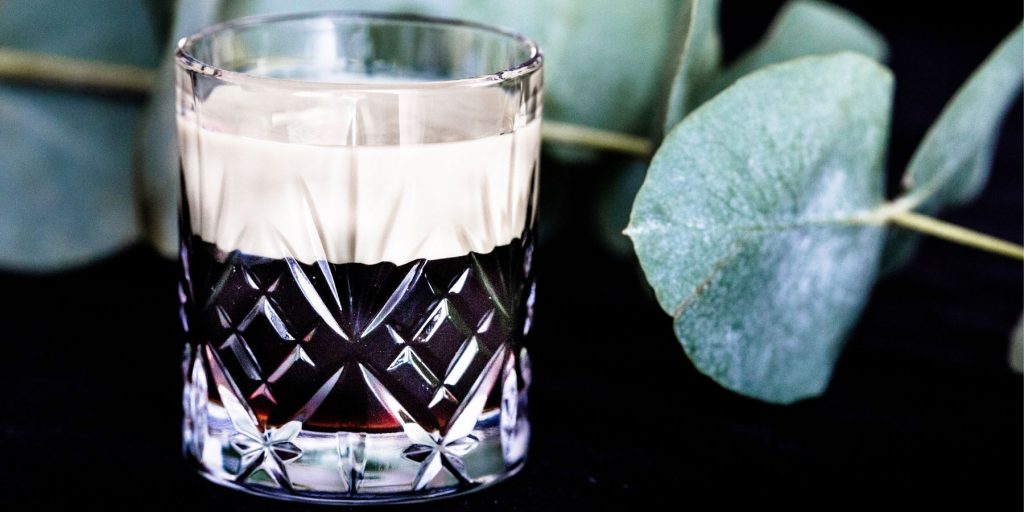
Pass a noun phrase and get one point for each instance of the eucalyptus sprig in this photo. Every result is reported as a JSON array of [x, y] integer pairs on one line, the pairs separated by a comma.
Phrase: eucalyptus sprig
[[762, 220]]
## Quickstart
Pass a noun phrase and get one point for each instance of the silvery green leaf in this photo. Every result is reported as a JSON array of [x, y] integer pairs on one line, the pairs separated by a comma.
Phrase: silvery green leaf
[[157, 152], [804, 27], [951, 165], [756, 235], [67, 192], [603, 58], [699, 58]]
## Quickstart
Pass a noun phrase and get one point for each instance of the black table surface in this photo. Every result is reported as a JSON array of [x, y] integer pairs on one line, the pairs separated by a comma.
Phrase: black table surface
[[923, 408]]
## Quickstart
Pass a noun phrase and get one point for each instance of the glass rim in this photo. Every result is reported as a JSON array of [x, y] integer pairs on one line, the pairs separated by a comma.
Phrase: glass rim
[[185, 59]]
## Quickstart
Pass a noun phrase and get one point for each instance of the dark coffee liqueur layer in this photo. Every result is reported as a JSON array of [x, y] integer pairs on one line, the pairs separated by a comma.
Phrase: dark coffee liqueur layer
[[325, 343]]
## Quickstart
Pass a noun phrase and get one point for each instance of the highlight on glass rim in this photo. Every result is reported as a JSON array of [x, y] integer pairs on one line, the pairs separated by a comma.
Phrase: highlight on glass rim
[[492, 255]]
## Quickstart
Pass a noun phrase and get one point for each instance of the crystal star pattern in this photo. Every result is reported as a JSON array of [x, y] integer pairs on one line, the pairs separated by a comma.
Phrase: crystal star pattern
[[446, 448], [440, 453], [267, 452], [261, 452]]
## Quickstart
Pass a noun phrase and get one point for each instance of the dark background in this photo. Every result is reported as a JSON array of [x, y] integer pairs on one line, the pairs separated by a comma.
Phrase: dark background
[[922, 410]]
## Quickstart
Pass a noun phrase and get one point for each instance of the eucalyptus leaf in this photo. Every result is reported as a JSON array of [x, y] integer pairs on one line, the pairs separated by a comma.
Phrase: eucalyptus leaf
[[752, 225], [696, 44], [67, 193], [603, 58], [699, 59], [804, 27], [951, 165]]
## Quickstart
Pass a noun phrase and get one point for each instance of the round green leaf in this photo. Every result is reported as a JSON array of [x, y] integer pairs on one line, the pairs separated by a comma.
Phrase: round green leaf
[[603, 58], [951, 165], [804, 27], [753, 225], [699, 59], [66, 181]]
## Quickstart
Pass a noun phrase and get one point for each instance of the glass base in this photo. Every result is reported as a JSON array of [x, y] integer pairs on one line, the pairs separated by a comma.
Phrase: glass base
[[479, 448], [363, 499]]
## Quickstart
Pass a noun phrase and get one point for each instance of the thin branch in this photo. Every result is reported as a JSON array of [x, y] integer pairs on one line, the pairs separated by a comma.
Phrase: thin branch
[[954, 233], [592, 138], [49, 69]]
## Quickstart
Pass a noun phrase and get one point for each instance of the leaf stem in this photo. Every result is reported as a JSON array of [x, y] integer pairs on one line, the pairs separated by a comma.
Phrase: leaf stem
[[49, 69], [954, 233], [592, 138]]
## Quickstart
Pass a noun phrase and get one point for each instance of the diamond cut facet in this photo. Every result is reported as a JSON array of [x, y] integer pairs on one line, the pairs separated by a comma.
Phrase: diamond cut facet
[[420, 354]]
